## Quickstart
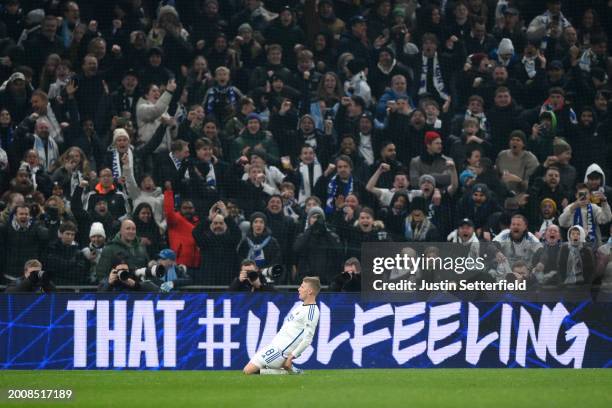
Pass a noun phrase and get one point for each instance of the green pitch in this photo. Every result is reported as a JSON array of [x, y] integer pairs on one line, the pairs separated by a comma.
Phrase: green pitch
[[321, 388]]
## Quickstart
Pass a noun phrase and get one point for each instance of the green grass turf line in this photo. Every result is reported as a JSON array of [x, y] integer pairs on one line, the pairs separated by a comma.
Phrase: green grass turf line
[[321, 388]]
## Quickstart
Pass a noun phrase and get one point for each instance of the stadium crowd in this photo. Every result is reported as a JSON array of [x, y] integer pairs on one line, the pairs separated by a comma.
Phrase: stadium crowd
[[220, 138]]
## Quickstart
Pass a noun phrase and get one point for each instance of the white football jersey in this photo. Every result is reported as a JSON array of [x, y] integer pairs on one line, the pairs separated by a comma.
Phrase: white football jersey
[[298, 330]]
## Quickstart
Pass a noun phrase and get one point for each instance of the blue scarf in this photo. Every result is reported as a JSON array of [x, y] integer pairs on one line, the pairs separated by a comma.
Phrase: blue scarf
[[256, 252], [591, 235], [438, 79], [232, 98], [171, 274], [332, 190]]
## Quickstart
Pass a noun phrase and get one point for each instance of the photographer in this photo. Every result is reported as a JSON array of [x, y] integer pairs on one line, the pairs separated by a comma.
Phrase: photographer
[[250, 279], [350, 279], [34, 279], [122, 279], [165, 272]]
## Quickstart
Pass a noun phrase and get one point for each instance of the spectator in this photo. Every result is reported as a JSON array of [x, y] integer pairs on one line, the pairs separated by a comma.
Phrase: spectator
[[41, 142], [478, 206], [283, 228], [516, 165], [385, 195], [151, 108], [516, 243], [180, 226], [546, 187], [366, 229], [350, 278], [216, 236], [418, 228], [330, 189], [65, 262], [93, 251], [251, 136], [126, 245], [169, 164], [91, 87], [15, 96], [148, 229], [387, 71], [434, 163], [576, 259], [106, 190], [355, 39], [21, 238], [546, 260], [317, 249], [398, 89], [259, 245], [584, 213]]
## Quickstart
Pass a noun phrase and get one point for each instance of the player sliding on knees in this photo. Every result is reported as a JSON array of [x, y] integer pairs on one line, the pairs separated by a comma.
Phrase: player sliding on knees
[[293, 338]]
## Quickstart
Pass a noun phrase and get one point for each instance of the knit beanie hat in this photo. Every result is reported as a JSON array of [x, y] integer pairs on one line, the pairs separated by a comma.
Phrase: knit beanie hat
[[97, 229], [549, 201], [427, 178], [316, 211], [118, 133], [505, 47], [430, 136], [257, 215]]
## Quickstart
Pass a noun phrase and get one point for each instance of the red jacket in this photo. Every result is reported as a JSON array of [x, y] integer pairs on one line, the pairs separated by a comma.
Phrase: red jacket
[[179, 234]]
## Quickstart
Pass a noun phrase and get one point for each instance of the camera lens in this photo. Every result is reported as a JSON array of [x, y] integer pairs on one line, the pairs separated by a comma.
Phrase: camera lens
[[123, 274], [252, 275]]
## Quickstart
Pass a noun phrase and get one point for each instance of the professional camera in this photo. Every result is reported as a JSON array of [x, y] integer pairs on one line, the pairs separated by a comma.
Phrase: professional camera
[[123, 274], [271, 273], [39, 278], [152, 272]]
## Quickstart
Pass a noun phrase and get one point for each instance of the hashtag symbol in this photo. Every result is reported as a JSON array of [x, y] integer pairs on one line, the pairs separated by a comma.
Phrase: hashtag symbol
[[209, 322]]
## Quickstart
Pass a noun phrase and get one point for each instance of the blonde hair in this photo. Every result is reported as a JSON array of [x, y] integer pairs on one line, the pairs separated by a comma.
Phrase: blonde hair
[[314, 282], [32, 263]]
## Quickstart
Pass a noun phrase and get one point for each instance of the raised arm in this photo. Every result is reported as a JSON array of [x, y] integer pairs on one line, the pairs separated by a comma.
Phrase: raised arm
[[371, 186]]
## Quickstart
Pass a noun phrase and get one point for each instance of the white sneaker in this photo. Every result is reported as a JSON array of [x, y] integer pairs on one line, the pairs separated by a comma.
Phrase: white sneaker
[[295, 370]]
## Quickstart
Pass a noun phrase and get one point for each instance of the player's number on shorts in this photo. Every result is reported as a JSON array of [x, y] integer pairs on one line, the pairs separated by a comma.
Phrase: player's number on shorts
[[269, 352]]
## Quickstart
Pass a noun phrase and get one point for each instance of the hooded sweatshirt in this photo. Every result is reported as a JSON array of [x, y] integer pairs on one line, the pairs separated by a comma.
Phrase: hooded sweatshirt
[[576, 261]]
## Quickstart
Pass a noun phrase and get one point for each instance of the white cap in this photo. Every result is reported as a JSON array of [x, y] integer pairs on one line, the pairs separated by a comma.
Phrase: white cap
[[118, 133], [97, 229]]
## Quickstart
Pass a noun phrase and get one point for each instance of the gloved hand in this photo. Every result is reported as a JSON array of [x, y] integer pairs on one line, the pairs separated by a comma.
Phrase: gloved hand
[[167, 286]]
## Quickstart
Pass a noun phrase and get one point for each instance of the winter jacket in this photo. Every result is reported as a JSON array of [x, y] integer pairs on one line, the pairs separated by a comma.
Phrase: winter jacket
[[219, 265], [135, 252], [66, 264], [16, 247], [247, 139], [180, 235], [148, 116]]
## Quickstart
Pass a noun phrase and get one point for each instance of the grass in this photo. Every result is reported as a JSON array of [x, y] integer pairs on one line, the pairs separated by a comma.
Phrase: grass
[[321, 388]]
